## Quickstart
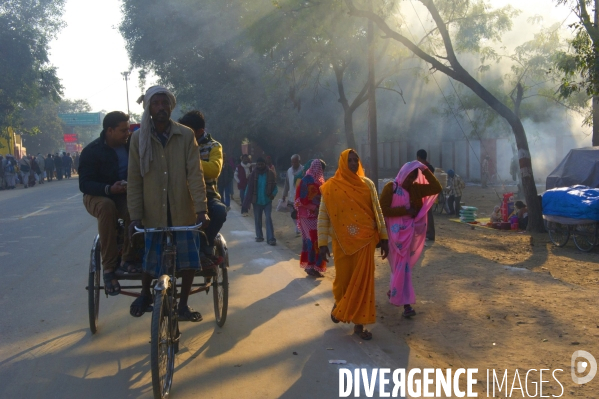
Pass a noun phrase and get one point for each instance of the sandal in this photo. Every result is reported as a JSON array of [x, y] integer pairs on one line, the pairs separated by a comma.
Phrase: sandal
[[333, 317], [408, 312], [364, 334], [140, 305], [188, 314], [111, 284], [131, 267]]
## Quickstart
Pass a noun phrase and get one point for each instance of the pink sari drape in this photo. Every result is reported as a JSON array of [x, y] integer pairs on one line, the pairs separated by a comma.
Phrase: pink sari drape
[[406, 237]]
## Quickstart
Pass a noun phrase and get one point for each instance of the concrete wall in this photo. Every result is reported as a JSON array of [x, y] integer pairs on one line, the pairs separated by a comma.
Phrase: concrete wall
[[465, 156]]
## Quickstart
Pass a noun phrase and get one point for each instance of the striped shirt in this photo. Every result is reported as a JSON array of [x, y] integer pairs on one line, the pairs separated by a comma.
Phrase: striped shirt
[[456, 185], [211, 154]]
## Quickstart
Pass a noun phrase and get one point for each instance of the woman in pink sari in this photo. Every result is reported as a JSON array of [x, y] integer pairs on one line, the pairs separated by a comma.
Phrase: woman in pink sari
[[307, 202], [405, 203]]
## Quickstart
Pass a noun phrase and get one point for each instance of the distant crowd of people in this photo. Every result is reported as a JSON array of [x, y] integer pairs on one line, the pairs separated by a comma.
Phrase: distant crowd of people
[[36, 169]]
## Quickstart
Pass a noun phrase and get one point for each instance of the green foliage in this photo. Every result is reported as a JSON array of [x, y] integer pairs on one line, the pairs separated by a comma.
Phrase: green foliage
[[578, 65], [204, 52], [474, 23], [26, 28], [530, 67], [42, 130]]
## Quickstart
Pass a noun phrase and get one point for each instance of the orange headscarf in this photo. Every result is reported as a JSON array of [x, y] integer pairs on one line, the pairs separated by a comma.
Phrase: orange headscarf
[[349, 204]]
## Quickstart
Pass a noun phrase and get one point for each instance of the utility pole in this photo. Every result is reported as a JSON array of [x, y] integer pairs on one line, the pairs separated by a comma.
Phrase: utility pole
[[126, 76]]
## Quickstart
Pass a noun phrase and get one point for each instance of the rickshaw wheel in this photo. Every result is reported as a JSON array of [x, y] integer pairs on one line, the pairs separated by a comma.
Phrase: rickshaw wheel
[[558, 234], [220, 290], [163, 345], [584, 237], [93, 286]]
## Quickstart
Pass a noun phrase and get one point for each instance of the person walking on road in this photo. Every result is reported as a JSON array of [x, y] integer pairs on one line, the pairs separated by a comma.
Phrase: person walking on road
[[10, 171], [485, 171], [67, 164], [405, 203], [261, 191], [58, 165], [166, 188], [350, 213], [241, 175], [49, 164], [289, 189], [307, 202], [41, 163], [455, 186], [25, 168]]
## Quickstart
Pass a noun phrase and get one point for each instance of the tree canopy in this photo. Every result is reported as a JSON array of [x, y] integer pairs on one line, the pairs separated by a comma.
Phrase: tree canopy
[[213, 67], [26, 29]]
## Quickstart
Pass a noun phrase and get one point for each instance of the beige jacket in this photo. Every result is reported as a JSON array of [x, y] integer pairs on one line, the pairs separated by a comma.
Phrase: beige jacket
[[175, 173]]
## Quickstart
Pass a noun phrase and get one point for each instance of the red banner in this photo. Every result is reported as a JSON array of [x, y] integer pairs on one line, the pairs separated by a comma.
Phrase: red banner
[[70, 138]]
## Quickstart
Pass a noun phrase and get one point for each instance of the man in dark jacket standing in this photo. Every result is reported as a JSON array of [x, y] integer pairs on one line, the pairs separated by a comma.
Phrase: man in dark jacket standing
[[58, 166], [103, 181], [49, 164], [67, 164], [261, 191]]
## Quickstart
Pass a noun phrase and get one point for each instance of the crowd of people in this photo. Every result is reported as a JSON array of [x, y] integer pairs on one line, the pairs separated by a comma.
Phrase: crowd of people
[[347, 211], [36, 169], [171, 173]]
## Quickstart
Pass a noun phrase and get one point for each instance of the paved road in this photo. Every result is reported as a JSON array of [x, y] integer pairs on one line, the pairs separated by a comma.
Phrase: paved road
[[276, 342]]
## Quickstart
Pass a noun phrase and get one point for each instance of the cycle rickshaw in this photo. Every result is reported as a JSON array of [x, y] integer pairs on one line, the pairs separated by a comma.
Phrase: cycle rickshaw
[[165, 332], [585, 233]]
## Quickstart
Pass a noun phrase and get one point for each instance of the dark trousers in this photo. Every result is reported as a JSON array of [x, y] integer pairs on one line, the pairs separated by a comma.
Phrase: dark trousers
[[270, 230], [217, 212], [226, 191], [453, 203], [430, 227]]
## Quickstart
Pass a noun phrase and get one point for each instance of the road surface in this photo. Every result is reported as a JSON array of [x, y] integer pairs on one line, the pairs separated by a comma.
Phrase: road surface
[[276, 343]]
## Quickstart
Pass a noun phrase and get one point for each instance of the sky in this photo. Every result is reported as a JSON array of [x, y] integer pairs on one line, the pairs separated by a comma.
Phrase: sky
[[90, 53]]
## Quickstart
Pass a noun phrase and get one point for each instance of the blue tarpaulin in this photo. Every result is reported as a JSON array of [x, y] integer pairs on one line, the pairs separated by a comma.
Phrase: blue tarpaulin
[[576, 202]]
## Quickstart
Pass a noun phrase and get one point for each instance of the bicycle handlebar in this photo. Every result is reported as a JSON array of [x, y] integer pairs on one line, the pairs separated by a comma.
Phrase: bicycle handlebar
[[162, 229]]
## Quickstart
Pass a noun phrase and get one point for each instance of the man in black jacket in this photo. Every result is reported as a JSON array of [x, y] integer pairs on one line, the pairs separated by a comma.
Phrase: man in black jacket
[[58, 166], [103, 181]]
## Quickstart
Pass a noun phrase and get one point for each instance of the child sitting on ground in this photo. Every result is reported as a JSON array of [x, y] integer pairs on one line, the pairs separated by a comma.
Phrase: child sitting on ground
[[522, 214], [496, 215]]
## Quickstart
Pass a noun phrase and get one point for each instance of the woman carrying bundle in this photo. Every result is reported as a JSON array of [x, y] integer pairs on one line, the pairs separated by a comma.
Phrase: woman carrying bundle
[[405, 203]]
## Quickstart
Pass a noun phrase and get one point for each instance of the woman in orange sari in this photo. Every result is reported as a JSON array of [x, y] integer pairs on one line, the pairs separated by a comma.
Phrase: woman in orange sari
[[351, 215]]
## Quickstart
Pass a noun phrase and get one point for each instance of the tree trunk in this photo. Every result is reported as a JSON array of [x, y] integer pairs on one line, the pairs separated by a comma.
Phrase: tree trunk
[[456, 71], [348, 110], [372, 125], [595, 139], [348, 121]]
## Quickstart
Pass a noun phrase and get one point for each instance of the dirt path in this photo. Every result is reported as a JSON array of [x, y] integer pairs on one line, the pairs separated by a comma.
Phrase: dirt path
[[488, 299]]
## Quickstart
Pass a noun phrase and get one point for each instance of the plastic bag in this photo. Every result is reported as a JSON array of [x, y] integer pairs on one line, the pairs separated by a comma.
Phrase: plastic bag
[[282, 206]]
